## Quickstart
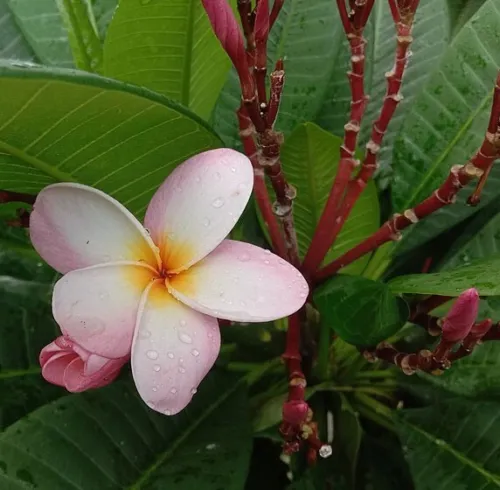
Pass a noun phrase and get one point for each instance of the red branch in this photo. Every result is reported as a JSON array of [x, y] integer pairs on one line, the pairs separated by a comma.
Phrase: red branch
[[323, 237], [247, 132], [11, 196]]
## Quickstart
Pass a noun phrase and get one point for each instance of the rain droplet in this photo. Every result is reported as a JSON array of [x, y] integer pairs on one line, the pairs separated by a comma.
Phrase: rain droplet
[[195, 353], [183, 323], [304, 286], [218, 203], [218, 176], [167, 412], [170, 355], [206, 222], [173, 391], [181, 360], [193, 391], [151, 405], [267, 252], [181, 369], [155, 389], [325, 451], [152, 354], [266, 262], [244, 257], [233, 169], [184, 337], [145, 334], [178, 188], [302, 295], [157, 367]]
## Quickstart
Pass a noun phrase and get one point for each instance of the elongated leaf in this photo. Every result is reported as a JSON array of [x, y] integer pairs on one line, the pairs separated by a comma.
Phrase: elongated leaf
[[13, 45], [482, 275], [448, 119], [43, 28], [26, 326], [462, 10], [477, 375], [84, 39], [109, 439], [430, 35], [167, 47], [118, 138], [307, 36], [310, 160], [362, 312], [452, 444]]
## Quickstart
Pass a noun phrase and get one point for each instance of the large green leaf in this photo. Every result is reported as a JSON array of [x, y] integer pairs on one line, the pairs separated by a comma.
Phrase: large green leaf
[[362, 312], [431, 35], [482, 275], [169, 48], [310, 160], [116, 137], [306, 35], [461, 11], [452, 444], [13, 45], [103, 12], [109, 439], [477, 375], [26, 326], [43, 28], [449, 118]]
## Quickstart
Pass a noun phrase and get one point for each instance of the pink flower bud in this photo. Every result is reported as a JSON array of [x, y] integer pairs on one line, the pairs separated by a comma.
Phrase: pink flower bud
[[479, 330], [458, 322], [295, 412], [228, 33]]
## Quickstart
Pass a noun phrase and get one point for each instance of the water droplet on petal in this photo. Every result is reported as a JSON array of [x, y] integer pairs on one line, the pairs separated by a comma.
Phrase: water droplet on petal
[[266, 262], [173, 391], [218, 203], [218, 176], [155, 389], [206, 222], [195, 353], [183, 323], [302, 295], [193, 391], [152, 354], [167, 412], [244, 257], [184, 337], [181, 360], [151, 405], [181, 369], [233, 169], [157, 367], [145, 334], [170, 355]]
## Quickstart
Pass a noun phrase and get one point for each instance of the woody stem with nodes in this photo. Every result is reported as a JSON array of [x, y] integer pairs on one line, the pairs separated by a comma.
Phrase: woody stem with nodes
[[346, 190], [257, 115]]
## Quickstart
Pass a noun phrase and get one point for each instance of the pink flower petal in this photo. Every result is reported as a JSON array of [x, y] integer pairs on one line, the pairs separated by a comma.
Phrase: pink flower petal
[[53, 368], [76, 381], [198, 205], [73, 226], [97, 307], [241, 282], [174, 348]]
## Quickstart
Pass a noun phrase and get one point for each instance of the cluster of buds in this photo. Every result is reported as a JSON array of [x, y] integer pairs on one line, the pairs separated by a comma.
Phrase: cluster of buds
[[459, 335]]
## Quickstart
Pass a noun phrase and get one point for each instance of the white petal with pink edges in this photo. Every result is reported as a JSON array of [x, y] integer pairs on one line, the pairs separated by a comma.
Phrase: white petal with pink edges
[[73, 226], [198, 205], [174, 348], [241, 282], [97, 307]]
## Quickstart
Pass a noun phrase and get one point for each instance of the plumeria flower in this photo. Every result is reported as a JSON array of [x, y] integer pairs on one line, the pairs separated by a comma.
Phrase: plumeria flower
[[154, 293]]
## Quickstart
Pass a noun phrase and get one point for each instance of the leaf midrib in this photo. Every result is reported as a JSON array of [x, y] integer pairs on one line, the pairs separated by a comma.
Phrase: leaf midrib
[[188, 58], [177, 442], [458, 455]]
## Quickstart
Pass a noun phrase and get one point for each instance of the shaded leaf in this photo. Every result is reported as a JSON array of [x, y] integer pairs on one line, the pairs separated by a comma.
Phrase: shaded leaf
[[115, 137], [108, 439], [13, 45], [482, 275], [103, 13], [310, 161], [169, 48], [360, 311], [457, 454], [43, 28]]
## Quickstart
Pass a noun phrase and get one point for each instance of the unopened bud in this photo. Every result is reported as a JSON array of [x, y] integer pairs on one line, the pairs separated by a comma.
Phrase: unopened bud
[[479, 330], [295, 412], [261, 30], [458, 322]]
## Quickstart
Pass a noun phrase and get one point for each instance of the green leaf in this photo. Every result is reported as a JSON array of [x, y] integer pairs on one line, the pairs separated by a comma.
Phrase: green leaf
[[26, 327], [477, 375], [103, 13], [108, 439], [13, 45], [461, 11], [116, 137], [44, 30], [307, 34], [430, 35], [310, 161], [83, 36], [451, 444], [168, 48], [482, 275], [480, 239], [362, 312]]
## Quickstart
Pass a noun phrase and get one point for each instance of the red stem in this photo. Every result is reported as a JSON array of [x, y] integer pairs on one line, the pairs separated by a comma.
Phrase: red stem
[[11, 196], [275, 11]]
